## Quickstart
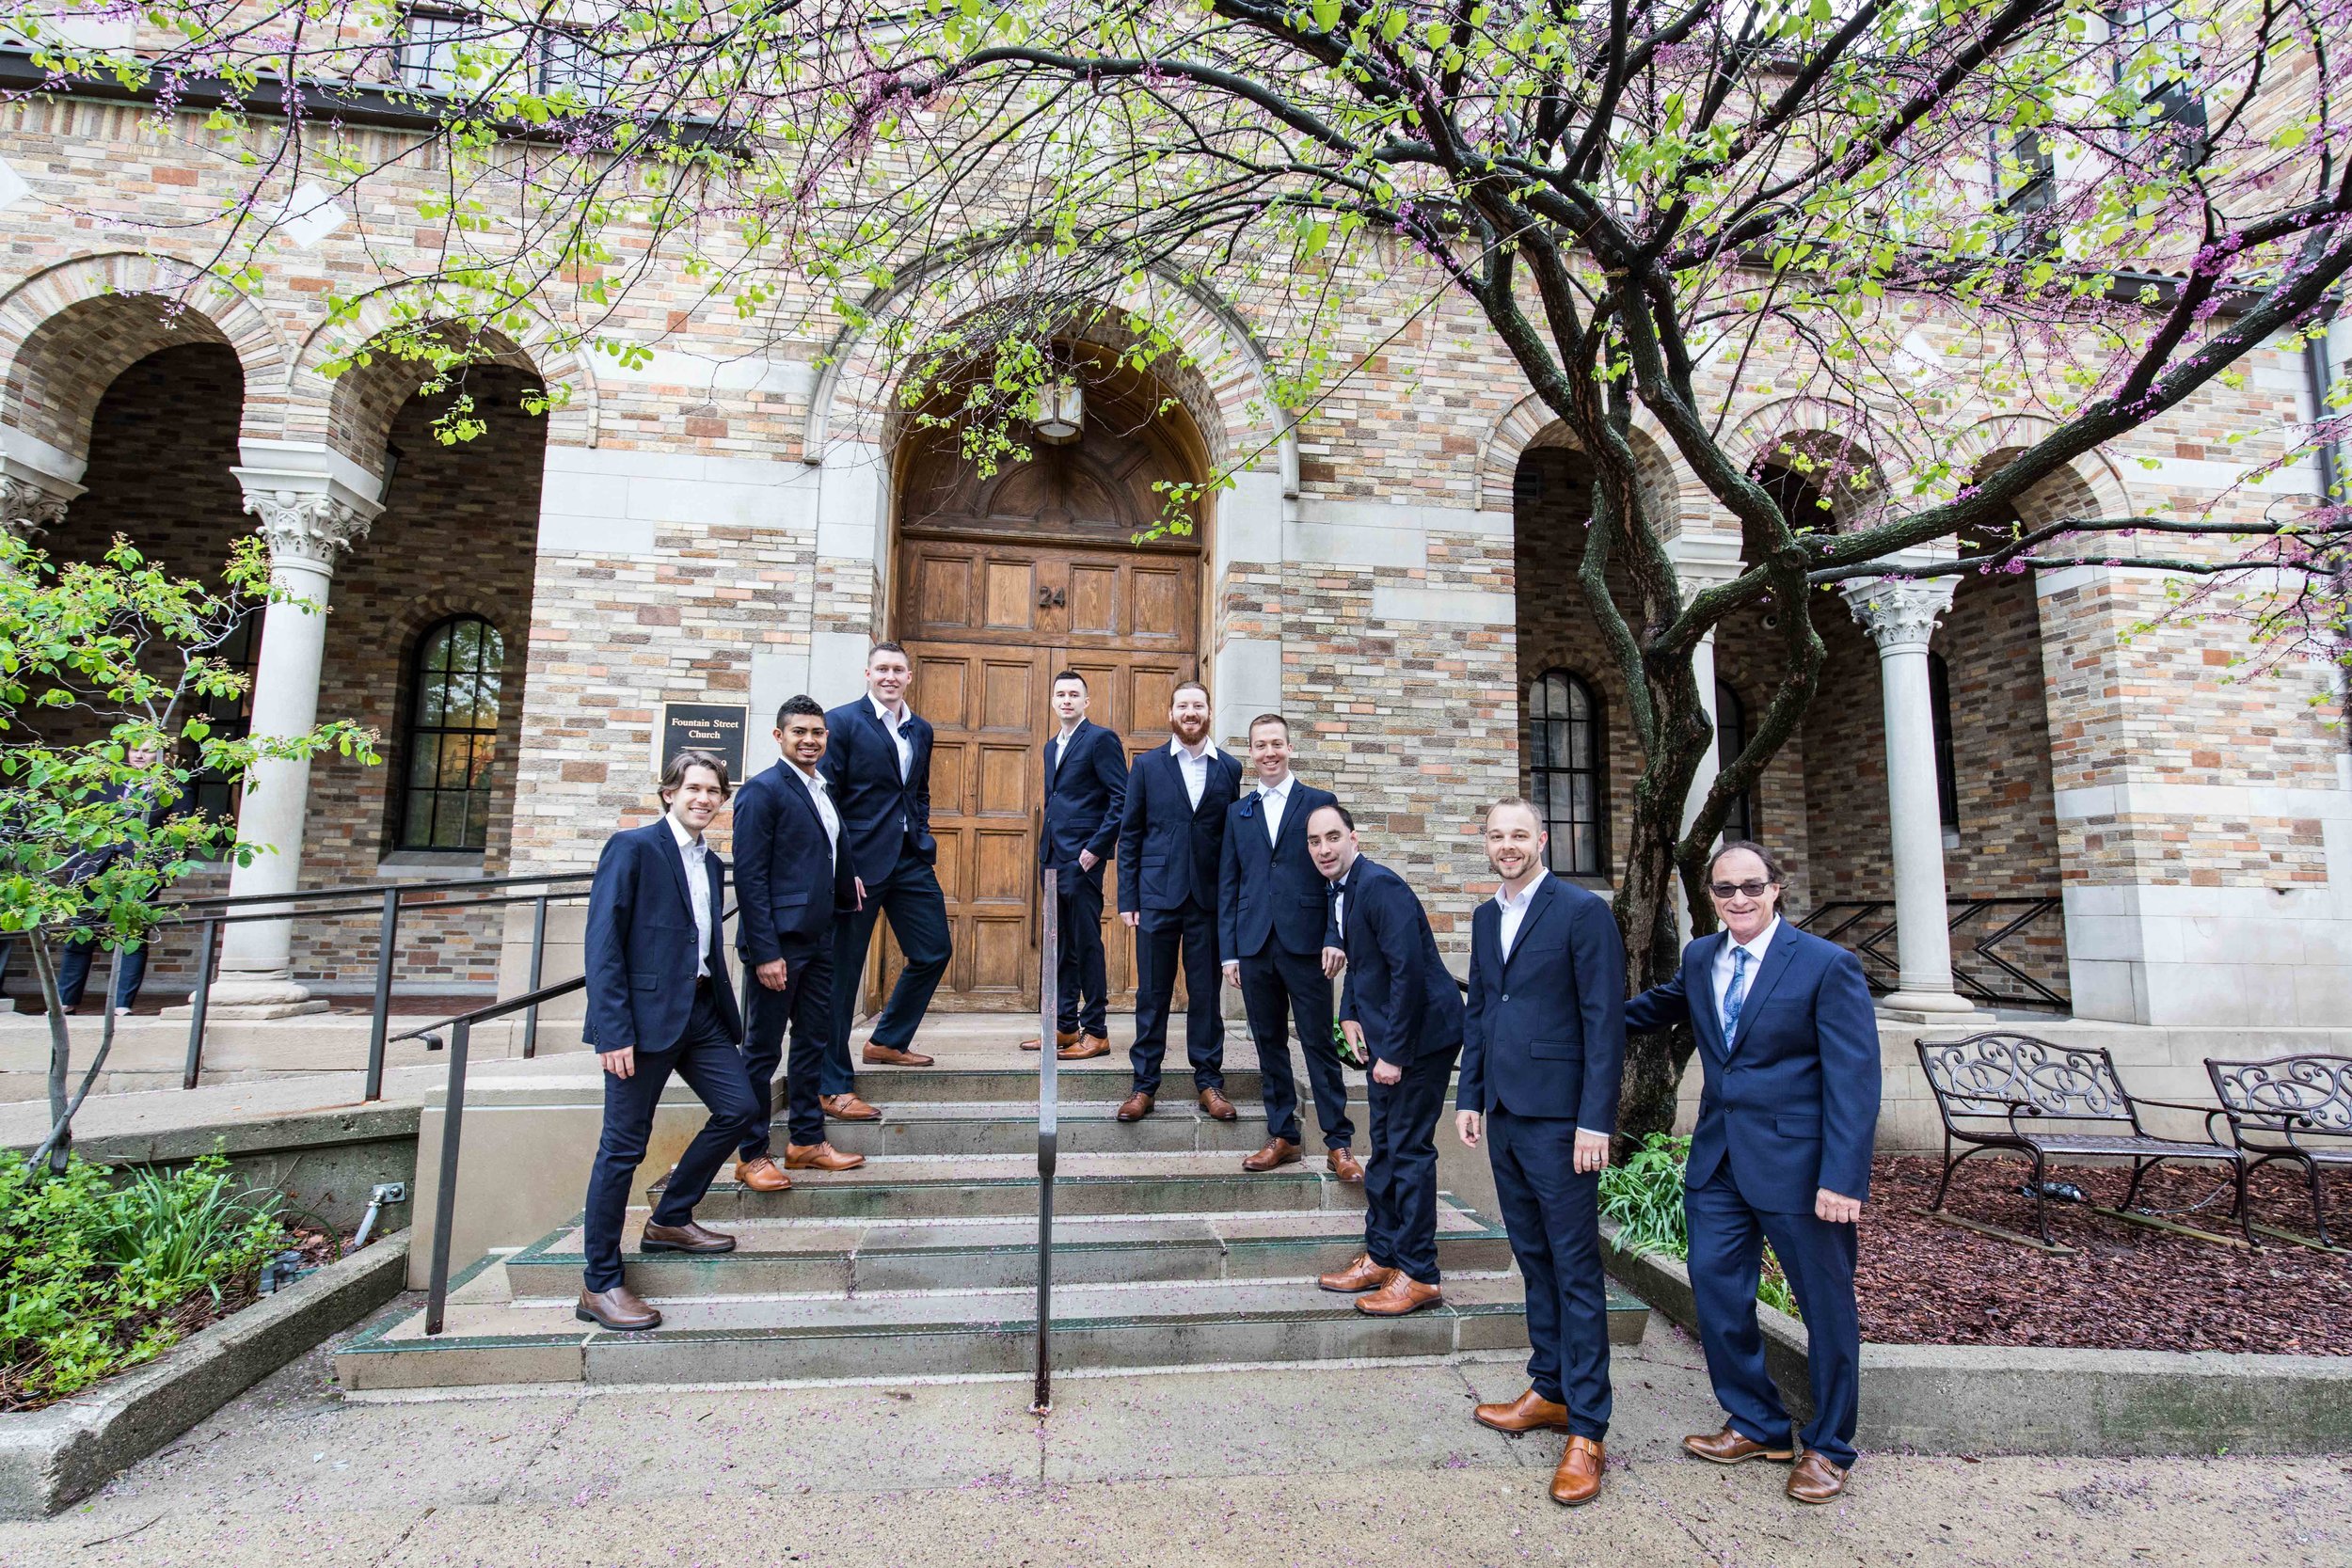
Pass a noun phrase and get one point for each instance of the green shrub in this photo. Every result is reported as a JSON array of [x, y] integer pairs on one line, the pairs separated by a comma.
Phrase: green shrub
[[96, 1277], [1643, 1197]]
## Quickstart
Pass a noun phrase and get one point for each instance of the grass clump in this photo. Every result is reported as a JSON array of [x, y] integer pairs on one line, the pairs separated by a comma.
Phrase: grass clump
[[1643, 1197]]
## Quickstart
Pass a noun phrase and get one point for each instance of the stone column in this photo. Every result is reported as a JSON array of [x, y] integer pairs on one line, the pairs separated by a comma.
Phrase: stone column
[[310, 515], [34, 493], [1899, 613], [1702, 559]]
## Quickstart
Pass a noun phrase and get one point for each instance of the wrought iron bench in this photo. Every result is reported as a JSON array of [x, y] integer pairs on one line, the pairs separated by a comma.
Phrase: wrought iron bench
[[2295, 1108], [1995, 1091]]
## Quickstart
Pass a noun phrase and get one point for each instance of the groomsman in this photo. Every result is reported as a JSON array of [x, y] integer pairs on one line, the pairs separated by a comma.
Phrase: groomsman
[[1271, 915], [1542, 1057], [1171, 837], [659, 1002], [1789, 1045], [1400, 1005], [1086, 786], [792, 878], [878, 763]]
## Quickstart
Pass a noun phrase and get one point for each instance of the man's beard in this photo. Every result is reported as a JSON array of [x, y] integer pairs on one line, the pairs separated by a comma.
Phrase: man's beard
[[1189, 730]]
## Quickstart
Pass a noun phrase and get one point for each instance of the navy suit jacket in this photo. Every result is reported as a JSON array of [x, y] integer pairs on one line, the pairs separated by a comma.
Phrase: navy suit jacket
[[1270, 891], [1086, 789], [787, 881], [1168, 849], [1792, 1104], [1398, 989], [862, 766], [641, 943], [1545, 1035]]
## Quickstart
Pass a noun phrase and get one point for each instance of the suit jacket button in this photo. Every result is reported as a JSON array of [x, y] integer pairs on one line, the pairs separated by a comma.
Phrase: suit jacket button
[[1506, 996]]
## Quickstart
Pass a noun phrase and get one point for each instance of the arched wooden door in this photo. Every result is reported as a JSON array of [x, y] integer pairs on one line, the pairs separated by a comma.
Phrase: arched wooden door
[[1001, 584]]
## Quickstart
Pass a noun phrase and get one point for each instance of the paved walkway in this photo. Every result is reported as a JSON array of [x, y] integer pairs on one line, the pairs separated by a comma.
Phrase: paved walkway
[[1338, 1466]]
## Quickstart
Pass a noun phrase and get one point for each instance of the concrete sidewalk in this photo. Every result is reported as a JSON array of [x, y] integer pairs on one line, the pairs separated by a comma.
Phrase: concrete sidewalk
[[1333, 1466]]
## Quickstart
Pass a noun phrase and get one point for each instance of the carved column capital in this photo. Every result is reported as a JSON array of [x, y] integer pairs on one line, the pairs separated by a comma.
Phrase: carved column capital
[[312, 527], [32, 500], [1899, 613]]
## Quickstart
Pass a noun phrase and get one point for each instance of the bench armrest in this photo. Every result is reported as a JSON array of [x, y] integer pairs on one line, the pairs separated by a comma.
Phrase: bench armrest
[[2209, 1112]]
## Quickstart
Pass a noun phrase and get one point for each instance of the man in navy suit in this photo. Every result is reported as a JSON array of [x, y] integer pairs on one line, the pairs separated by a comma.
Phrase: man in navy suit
[[1542, 1057], [878, 762], [659, 1002], [1400, 1006], [1171, 837], [791, 881], [1086, 786], [1271, 915], [1789, 1045]]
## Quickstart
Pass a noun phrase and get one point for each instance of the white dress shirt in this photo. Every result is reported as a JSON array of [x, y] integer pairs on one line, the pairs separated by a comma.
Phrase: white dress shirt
[[1515, 909], [696, 854], [1272, 801], [1059, 749], [1724, 960], [1192, 763], [819, 793], [897, 732], [1339, 903]]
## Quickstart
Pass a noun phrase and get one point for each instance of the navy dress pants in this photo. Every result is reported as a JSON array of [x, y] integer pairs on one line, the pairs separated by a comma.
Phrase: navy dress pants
[[1163, 939], [1401, 1176], [1079, 921], [1553, 1217], [1728, 1240], [1277, 990], [806, 1005], [73, 969], [713, 1067], [918, 918]]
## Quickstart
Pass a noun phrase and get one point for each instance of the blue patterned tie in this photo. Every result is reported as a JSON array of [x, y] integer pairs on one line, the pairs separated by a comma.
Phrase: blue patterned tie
[[1736, 993]]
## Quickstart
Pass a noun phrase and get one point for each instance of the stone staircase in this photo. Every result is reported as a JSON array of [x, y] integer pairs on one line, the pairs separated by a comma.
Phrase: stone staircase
[[923, 1263]]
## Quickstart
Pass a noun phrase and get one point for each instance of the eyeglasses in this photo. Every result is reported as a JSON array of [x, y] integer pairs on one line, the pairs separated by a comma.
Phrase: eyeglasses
[[1725, 890]]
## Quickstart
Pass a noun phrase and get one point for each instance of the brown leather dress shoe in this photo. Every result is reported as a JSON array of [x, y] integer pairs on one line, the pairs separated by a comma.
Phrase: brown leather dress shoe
[[1218, 1107], [1578, 1479], [689, 1236], [848, 1107], [761, 1175], [1814, 1479], [1135, 1107], [820, 1157], [1280, 1151], [1528, 1413], [1088, 1048], [617, 1309], [1348, 1167], [884, 1056], [1062, 1041], [1401, 1295], [1361, 1274], [1730, 1447]]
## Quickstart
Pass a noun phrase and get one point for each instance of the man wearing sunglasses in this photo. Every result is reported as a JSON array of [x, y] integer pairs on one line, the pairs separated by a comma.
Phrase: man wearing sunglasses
[[1789, 1047]]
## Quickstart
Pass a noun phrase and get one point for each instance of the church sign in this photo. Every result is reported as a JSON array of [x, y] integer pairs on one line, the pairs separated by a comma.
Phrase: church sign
[[714, 727]]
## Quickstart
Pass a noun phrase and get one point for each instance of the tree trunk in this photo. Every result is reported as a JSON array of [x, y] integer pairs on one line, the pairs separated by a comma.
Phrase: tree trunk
[[61, 1054]]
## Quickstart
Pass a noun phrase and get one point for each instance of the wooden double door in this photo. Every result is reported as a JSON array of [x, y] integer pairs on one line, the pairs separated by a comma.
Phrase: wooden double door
[[988, 623]]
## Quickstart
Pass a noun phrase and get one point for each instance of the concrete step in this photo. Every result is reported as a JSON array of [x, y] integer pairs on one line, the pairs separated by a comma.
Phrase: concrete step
[[783, 1256], [910, 1187], [946, 1128], [765, 1339], [1105, 1078]]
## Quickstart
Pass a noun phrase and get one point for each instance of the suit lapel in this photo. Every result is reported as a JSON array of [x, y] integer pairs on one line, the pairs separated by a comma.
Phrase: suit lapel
[[1707, 1020], [666, 839], [1544, 893], [1776, 960], [789, 781]]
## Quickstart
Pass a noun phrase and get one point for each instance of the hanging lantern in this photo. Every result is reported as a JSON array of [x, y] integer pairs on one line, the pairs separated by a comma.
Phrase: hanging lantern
[[1061, 412]]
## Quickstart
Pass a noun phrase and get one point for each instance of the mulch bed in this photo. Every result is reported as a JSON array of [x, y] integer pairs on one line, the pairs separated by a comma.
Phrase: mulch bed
[[2128, 1288]]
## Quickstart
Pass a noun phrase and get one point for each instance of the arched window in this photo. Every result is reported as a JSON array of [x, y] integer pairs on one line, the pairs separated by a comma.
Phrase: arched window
[[1940, 716], [1563, 753], [1731, 739], [453, 728]]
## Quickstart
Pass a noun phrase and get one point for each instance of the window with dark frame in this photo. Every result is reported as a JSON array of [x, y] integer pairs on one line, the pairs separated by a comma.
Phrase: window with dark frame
[[427, 55], [452, 734], [1940, 710], [1563, 764], [567, 58], [2159, 24], [214, 793], [1731, 739]]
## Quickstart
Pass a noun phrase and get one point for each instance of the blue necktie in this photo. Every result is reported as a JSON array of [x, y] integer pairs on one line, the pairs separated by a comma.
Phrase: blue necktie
[[1736, 993]]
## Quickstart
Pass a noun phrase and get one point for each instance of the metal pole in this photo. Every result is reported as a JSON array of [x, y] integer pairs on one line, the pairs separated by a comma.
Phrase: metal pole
[[1047, 1113], [387, 938], [445, 1198], [538, 951], [197, 1003]]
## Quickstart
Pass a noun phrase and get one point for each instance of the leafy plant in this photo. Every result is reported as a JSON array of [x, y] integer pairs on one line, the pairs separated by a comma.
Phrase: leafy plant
[[97, 1275], [1641, 1197]]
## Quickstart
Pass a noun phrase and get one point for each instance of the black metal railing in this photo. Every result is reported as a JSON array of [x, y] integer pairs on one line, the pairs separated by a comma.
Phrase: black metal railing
[[1048, 1133], [1995, 967], [206, 916]]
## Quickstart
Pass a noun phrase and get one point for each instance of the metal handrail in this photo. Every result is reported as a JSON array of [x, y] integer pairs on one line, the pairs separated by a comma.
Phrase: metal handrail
[[1834, 919], [1048, 1133]]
